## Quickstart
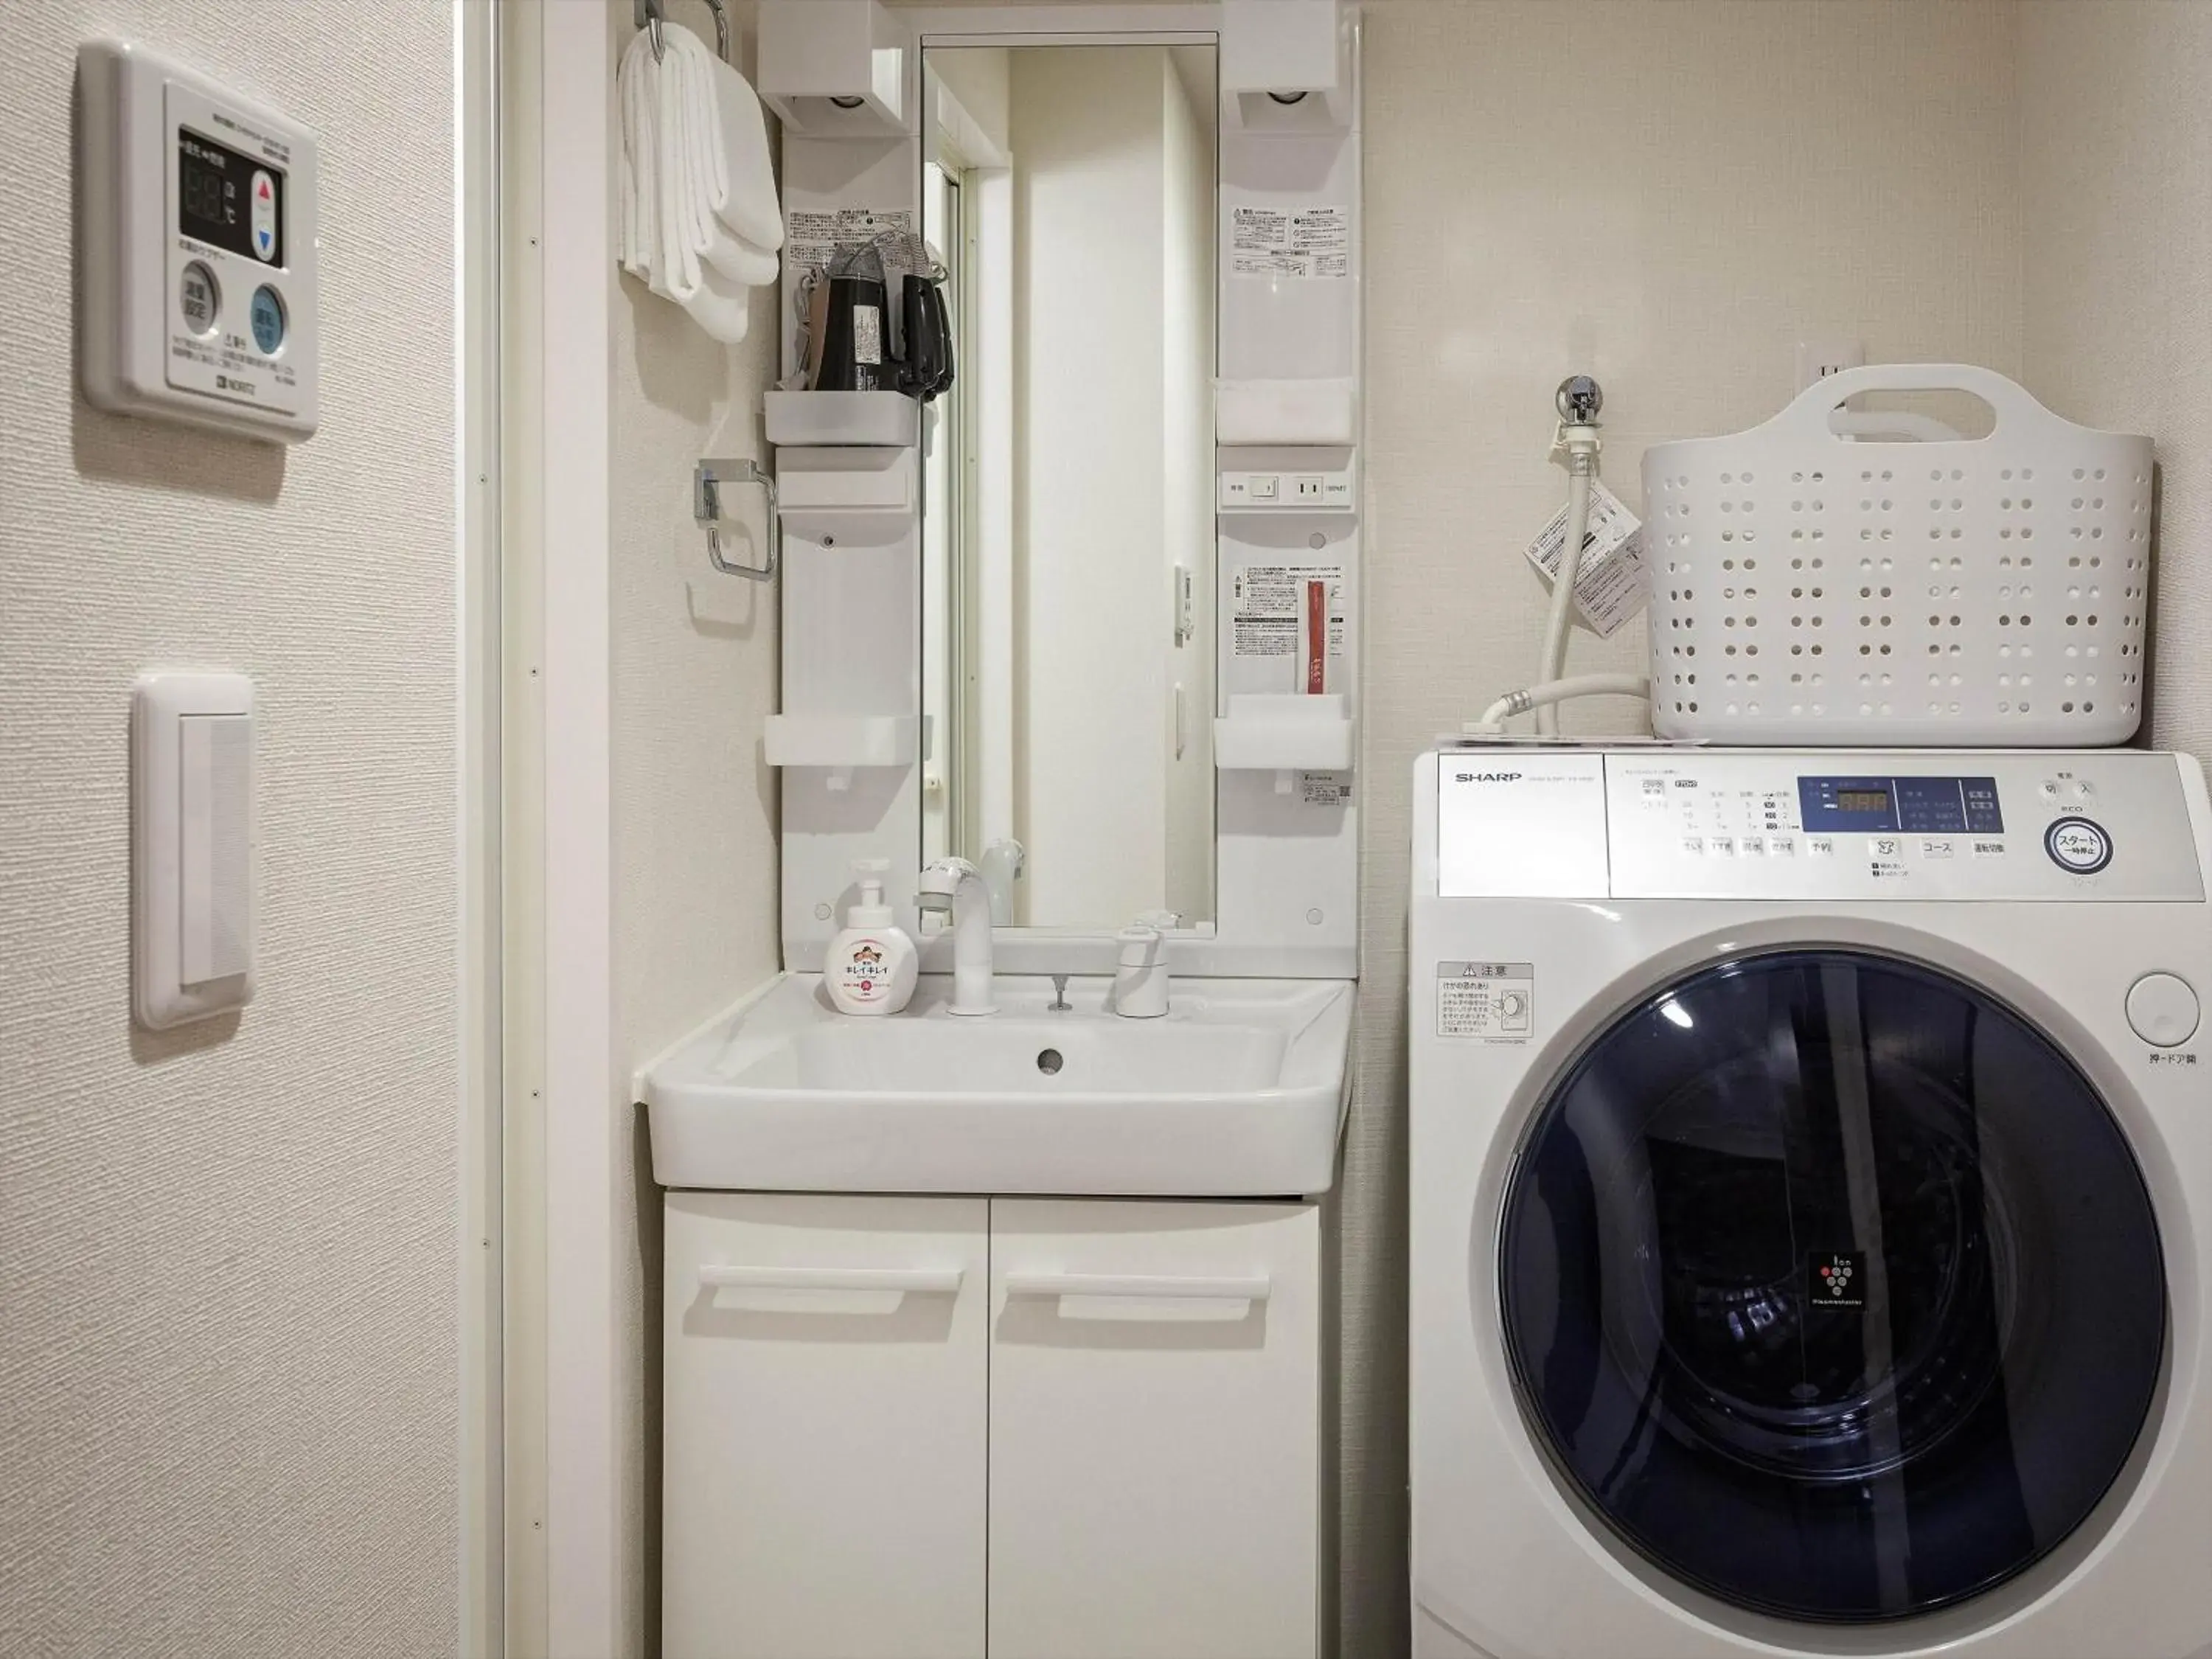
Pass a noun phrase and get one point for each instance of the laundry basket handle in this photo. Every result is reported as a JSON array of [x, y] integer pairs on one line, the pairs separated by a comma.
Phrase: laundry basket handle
[[1807, 415]]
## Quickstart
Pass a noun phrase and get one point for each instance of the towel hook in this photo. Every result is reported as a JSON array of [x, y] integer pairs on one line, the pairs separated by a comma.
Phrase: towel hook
[[647, 13], [707, 480]]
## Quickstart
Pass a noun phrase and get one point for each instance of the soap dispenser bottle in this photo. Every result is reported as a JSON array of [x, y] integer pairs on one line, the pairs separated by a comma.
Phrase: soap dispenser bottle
[[871, 964]]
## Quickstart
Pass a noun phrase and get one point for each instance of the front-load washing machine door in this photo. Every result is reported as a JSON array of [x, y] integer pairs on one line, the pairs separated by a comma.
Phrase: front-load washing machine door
[[1831, 1285]]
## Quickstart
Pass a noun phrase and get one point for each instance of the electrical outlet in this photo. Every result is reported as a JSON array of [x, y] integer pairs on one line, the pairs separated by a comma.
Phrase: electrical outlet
[[1825, 354]]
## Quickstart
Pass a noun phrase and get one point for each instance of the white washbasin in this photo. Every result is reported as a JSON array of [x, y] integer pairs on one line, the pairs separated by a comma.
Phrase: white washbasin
[[1238, 1091]]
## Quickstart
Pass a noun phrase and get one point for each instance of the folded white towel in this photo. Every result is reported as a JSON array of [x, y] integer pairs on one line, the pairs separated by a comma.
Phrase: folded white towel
[[739, 184], [720, 306], [717, 105], [678, 270], [640, 219], [740, 261], [694, 146]]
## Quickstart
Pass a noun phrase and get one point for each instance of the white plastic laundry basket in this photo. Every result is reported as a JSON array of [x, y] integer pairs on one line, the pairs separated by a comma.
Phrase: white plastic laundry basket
[[1809, 587]]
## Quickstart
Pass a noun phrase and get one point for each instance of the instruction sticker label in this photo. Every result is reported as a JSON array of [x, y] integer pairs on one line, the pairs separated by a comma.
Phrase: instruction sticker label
[[1313, 241], [1491, 1000], [809, 238], [1268, 598], [1325, 788], [1611, 583]]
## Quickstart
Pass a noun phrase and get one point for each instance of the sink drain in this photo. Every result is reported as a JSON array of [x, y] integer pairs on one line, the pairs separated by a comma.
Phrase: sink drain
[[1049, 1061]]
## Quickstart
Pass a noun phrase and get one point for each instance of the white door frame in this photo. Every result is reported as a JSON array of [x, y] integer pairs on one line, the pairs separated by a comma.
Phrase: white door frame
[[479, 624], [582, 1091], [561, 1093]]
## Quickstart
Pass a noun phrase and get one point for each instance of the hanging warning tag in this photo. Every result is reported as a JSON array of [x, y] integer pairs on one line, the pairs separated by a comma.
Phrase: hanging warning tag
[[1611, 583]]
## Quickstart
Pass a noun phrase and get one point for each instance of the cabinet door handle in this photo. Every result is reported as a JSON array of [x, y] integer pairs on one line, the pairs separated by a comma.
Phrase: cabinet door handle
[[1102, 1296], [905, 1281]]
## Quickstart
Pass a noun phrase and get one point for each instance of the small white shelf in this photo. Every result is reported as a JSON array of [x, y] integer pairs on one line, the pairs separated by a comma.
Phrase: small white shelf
[[1283, 412], [840, 742], [882, 420], [1283, 734]]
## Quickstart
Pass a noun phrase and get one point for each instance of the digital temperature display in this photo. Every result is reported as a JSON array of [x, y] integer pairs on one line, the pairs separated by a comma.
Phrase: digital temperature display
[[1917, 805], [229, 199]]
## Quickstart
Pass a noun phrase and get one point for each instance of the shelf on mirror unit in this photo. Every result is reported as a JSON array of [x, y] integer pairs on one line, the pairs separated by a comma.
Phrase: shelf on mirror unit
[[840, 742], [1263, 734], [883, 420], [1273, 414]]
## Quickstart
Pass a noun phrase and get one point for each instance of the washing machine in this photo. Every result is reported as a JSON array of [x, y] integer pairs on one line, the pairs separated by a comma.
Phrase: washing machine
[[1810, 1183]]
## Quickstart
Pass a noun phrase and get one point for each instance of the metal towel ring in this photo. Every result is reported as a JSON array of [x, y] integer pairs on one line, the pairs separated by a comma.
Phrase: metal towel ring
[[707, 480], [648, 19]]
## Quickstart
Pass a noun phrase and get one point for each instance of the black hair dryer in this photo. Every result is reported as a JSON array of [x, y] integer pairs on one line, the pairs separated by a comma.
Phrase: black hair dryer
[[927, 368], [855, 348]]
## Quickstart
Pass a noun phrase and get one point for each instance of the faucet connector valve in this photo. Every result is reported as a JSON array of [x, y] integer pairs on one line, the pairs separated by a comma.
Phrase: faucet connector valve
[[1578, 400]]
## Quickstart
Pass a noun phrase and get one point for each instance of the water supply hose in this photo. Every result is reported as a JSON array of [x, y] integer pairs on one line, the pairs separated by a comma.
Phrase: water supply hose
[[1560, 617], [1577, 400], [1543, 697]]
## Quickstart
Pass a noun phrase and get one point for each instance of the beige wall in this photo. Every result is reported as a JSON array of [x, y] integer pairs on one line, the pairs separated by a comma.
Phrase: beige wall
[[695, 806], [229, 1376], [2116, 166], [1747, 171]]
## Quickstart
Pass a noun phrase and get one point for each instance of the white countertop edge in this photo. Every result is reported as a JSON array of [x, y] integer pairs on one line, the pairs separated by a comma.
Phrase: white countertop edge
[[640, 1076]]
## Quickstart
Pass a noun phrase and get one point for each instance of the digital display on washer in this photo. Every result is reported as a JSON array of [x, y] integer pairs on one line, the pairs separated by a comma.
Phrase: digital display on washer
[[229, 199], [1927, 806]]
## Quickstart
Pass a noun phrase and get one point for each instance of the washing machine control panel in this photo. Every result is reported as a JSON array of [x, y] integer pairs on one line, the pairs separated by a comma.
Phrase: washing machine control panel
[[2018, 826], [1750, 823]]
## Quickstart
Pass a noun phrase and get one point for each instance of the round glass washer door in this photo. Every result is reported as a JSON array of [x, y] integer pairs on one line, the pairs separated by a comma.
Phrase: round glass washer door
[[1832, 1286]]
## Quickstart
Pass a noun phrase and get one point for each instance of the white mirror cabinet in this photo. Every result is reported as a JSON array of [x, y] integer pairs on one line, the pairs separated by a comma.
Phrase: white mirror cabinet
[[1101, 598]]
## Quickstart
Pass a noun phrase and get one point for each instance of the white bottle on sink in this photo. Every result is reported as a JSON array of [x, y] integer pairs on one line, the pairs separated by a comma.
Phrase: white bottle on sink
[[1140, 973], [871, 964]]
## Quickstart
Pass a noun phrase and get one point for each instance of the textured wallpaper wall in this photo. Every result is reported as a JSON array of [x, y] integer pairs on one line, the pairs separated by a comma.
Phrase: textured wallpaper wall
[[227, 1255], [695, 806], [1747, 171], [2116, 166]]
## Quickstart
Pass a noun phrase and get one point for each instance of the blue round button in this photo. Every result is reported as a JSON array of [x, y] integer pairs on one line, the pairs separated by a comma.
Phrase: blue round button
[[268, 314]]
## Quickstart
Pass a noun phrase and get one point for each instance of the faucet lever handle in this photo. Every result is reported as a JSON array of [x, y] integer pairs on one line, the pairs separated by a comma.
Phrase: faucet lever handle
[[1060, 1003]]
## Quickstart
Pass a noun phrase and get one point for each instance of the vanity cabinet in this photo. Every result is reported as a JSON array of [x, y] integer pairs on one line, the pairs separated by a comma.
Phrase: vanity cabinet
[[1155, 1429], [1058, 1428], [824, 1426]]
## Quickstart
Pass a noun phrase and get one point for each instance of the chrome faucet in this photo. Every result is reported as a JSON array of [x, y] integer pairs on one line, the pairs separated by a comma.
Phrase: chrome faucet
[[955, 887]]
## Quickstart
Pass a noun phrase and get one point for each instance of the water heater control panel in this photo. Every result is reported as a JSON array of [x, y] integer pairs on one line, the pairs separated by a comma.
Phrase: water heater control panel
[[196, 212]]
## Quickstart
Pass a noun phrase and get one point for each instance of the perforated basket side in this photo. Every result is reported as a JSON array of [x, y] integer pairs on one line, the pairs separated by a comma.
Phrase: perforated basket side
[[1807, 588]]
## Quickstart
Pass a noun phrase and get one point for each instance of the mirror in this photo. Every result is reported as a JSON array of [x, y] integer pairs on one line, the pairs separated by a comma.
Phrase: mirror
[[1068, 478]]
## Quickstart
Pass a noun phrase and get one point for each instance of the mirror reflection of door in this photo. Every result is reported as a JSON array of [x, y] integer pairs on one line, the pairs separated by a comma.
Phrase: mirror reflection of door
[[946, 463], [1068, 527]]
